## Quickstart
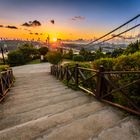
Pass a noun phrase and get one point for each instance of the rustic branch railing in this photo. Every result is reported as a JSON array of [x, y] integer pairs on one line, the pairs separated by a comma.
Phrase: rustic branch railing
[[106, 86], [6, 81]]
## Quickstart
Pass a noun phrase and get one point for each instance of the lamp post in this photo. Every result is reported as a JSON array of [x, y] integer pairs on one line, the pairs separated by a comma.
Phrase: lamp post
[[2, 52], [2, 49]]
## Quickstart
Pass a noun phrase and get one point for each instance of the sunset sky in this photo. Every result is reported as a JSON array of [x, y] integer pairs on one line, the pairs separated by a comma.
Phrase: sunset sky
[[65, 19]]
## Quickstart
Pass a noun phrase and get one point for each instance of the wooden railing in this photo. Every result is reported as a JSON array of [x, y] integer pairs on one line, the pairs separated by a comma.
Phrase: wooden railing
[[107, 86], [6, 81]]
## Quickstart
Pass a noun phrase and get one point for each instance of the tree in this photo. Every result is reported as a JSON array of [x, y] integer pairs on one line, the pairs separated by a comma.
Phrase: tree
[[83, 52], [70, 53], [28, 51], [132, 48], [99, 54], [16, 58], [43, 50], [54, 57], [117, 52]]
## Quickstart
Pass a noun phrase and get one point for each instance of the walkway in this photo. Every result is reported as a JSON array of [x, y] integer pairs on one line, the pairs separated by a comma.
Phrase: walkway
[[39, 107]]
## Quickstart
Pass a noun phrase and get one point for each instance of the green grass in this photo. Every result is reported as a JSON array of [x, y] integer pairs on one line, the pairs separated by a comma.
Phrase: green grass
[[37, 61]]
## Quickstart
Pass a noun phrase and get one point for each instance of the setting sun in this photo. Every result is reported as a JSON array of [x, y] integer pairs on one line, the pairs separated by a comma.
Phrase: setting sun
[[54, 39]]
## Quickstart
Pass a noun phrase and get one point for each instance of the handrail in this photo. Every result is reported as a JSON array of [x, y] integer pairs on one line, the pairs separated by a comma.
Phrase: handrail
[[88, 69], [6, 81], [100, 83]]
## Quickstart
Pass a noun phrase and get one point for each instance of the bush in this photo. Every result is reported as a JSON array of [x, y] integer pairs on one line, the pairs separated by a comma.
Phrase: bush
[[43, 50], [54, 57], [78, 58], [68, 55], [128, 62], [16, 58], [3, 67], [81, 64], [107, 63], [132, 48], [28, 51]]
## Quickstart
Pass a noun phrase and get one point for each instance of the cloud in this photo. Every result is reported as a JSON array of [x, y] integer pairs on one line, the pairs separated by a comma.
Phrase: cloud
[[78, 18], [52, 21], [34, 23], [1, 26], [127, 37], [27, 30], [26, 24], [35, 33], [11, 27]]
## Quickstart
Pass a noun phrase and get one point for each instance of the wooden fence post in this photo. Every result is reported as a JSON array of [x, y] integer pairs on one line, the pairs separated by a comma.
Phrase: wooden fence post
[[76, 75], [57, 71], [1, 86], [61, 73], [67, 74], [100, 79]]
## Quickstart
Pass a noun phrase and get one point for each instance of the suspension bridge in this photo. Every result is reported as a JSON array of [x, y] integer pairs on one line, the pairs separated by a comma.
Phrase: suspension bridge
[[126, 33]]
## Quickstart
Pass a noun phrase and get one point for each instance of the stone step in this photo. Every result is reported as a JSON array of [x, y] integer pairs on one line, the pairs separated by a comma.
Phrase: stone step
[[127, 129], [84, 128], [12, 101], [35, 128], [9, 121], [30, 104]]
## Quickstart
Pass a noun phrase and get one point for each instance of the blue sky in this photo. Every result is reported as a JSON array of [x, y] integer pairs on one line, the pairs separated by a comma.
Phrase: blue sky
[[98, 16]]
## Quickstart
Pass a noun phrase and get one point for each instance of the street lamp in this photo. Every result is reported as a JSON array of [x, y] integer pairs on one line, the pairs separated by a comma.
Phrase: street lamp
[[3, 49]]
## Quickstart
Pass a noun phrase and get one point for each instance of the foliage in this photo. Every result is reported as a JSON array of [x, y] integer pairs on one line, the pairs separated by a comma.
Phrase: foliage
[[36, 61], [68, 55], [54, 57], [88, 56], [81, 64], [3, 67], [16, 58], [99, 54], [28, 51], [22, 55], [132, 48], [43, 50], [107, 63], [128, 62], [78, 58], [117, 52]]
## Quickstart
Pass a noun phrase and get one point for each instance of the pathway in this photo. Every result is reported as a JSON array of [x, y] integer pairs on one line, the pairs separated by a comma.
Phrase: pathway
[[39, 107]]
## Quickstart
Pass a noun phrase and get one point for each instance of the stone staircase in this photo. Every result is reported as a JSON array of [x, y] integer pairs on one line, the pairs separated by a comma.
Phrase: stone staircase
[[39, 107]]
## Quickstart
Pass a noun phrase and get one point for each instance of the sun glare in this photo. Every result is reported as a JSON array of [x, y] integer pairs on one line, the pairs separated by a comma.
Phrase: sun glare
[[54, 39]]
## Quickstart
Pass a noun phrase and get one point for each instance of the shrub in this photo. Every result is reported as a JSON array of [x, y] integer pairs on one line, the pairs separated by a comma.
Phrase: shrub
[[81, 64], [107, 63], [16, 58], [117, 52], [28, 51], [132, 48], [68, 55], [54, 57], [43, 50], [128, 62], [3, 67], [78, 58]]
